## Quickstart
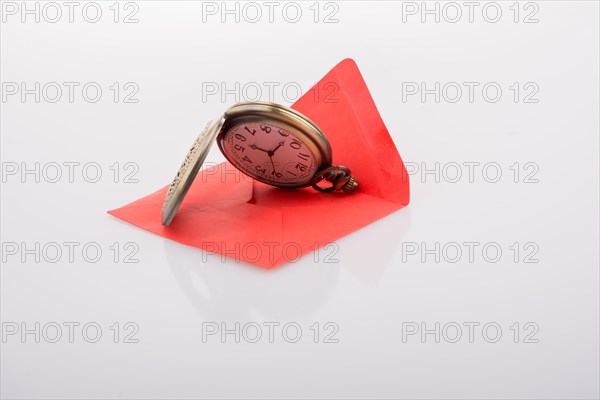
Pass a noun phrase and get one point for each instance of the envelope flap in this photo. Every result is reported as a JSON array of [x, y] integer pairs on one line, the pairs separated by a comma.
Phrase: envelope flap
[[343, 108]]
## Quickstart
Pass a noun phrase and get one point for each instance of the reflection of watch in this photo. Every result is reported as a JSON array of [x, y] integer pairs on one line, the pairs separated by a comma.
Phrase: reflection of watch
[[268, 142]]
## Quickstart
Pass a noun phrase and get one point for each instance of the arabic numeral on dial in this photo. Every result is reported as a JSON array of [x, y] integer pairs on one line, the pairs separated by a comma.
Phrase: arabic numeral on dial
[[294, 144], [247, 159], [265, 128], [303, 157], [301, 167], [252, 132], [260, 169], [239, 137], [283, 133], [239, 148]]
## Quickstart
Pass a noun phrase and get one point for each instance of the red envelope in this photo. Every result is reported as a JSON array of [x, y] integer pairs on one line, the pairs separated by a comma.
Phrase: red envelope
[[226, 212]]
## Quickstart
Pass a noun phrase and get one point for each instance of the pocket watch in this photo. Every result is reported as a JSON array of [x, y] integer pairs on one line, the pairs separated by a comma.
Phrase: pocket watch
[[269, 142]]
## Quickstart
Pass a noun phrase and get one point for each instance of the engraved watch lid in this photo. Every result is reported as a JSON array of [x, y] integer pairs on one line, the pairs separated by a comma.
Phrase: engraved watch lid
[[189, 169]]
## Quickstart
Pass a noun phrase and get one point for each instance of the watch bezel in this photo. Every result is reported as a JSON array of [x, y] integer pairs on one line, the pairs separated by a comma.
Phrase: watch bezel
[[283, 117]]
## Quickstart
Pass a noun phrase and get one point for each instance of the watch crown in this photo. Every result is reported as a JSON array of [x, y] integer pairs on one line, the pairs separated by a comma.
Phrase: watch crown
[[342, 181], [351, 185], [340, 177]]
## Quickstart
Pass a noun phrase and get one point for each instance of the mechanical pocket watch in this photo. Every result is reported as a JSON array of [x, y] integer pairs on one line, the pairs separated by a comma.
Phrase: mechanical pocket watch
[[268, 142]]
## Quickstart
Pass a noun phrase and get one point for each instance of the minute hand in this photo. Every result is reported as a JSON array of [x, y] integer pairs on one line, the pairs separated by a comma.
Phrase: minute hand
[[275, 149]]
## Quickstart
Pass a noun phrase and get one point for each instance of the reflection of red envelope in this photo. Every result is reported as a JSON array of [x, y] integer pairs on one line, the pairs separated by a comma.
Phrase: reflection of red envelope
[[225, 212]]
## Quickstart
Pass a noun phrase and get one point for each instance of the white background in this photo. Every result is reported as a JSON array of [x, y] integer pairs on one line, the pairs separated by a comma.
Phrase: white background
[[367, 284]]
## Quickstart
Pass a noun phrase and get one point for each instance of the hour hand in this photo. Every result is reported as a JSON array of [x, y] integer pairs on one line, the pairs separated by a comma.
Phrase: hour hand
[[255, 147]]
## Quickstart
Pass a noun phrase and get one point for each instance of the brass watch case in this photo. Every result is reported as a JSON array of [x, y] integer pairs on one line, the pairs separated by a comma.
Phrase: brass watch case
[[282, 117]]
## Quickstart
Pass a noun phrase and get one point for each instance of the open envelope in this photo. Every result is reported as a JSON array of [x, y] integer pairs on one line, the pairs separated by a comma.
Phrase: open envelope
[[227, 213]]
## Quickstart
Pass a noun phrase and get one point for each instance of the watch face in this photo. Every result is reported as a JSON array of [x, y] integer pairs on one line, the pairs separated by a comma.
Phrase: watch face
[[269, 153]]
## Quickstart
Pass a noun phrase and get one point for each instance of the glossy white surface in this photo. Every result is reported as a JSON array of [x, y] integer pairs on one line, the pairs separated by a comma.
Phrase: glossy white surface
[[372, 286]]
